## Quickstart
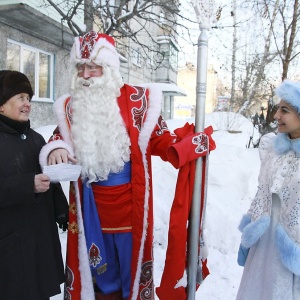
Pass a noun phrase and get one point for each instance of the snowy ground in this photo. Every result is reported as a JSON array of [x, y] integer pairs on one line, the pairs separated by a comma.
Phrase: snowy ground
[[232, 182]]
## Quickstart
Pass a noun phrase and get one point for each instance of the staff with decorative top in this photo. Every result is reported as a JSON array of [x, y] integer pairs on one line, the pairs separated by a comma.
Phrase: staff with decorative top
[[204, 12]]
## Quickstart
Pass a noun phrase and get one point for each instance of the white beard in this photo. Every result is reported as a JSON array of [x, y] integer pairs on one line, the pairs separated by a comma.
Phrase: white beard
[[100, 138]]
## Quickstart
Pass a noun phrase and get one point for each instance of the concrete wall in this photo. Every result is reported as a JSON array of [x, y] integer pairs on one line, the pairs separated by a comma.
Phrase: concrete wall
[[42, 113]]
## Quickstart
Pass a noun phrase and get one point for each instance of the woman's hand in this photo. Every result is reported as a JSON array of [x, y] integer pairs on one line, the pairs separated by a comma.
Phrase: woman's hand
[[41, 183]]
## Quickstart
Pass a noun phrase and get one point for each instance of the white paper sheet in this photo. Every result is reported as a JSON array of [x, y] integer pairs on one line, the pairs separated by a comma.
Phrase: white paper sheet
[[62, 172]]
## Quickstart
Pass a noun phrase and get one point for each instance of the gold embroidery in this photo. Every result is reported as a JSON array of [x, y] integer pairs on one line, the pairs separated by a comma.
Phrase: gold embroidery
[[102, 269], [73, 227], [72, 188], [116, 229], [72, 208]]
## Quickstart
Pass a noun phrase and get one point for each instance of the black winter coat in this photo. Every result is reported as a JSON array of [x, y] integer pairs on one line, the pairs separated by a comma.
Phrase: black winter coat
[[31, 265]]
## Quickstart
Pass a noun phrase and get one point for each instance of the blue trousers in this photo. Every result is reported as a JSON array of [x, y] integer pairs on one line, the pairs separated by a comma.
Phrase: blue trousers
[[118, 247]]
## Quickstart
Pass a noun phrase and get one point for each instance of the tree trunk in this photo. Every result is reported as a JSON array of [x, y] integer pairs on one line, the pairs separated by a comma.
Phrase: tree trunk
[[234, 41], [262, 65], [288, 54], [88, 15]]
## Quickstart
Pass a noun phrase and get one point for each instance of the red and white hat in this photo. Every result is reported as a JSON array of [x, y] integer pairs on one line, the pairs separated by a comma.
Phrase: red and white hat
[[97, 47]]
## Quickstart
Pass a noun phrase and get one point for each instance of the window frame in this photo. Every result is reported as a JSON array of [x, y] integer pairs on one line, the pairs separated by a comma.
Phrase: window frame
[[37, 53], [173, 56], [137, 57], [151, 55]]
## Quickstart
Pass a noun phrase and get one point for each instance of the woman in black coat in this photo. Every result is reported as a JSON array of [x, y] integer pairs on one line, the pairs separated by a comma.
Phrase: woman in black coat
[[31, 265]]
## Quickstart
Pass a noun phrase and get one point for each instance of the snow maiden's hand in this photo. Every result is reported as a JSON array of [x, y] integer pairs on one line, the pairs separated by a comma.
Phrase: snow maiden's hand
[[58, 156]]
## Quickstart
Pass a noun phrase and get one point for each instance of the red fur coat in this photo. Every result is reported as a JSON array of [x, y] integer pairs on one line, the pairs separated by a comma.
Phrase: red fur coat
[[149, 135]]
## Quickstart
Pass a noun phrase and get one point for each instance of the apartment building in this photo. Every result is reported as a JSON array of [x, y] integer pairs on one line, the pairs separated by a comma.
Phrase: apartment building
[[34, 40]]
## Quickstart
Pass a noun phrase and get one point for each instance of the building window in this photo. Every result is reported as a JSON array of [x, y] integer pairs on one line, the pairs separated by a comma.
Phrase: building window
[[37, 65], [173, 58], [151, 55], [137, 57]]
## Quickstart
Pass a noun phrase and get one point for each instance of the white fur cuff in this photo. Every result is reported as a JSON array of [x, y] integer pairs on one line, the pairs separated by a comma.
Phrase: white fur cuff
[[43, 157]]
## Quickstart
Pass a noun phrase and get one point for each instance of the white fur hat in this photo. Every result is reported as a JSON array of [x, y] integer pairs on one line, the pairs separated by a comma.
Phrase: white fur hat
[[289, 91], [96, 47]]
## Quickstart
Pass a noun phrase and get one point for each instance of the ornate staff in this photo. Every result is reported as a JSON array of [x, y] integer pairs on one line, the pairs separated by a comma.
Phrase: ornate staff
[[204, 11]]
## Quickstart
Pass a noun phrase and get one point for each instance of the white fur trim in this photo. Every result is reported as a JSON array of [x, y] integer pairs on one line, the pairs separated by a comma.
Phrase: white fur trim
[[76, 50], [153, 112], [87, 289], [43, 157], [66, 143], [60, 113]]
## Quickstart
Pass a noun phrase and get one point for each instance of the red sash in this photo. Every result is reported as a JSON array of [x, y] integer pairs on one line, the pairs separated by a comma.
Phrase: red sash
[[114, 205]]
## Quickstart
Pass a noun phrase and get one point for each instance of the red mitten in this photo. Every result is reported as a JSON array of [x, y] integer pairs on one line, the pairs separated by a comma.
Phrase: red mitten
[[191, 146]]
